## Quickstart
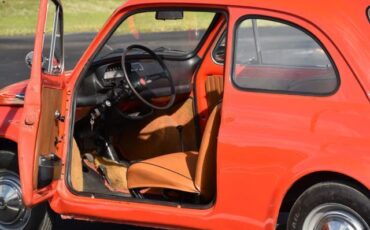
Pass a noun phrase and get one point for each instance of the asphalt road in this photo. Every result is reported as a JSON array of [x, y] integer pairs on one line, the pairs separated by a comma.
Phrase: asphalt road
[[14, 50], [75, 225]]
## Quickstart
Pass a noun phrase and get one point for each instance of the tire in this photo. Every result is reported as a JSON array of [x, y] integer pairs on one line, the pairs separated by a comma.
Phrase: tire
[[20, 217], [330, 204]]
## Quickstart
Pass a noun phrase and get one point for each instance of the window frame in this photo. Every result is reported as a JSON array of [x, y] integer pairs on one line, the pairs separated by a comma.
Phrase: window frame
[[214, 58], [58, 22], [90, 62], [284, 92], [184, 57]]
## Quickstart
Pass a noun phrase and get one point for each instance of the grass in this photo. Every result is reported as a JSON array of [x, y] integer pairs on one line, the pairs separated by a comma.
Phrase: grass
[[19, 17]]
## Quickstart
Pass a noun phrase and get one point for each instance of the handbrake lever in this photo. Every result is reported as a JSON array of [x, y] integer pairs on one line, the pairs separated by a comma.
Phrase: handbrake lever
[[180, 128]]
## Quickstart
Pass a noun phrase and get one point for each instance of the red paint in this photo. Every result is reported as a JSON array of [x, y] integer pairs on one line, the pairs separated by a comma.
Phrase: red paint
[[267, 141], [9, 93]]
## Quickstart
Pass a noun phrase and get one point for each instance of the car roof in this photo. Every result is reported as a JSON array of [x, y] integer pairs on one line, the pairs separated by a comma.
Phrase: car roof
[[344, 22]]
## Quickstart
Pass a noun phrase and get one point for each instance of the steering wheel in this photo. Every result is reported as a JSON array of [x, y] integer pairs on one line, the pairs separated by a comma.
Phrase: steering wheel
[[142, 82]]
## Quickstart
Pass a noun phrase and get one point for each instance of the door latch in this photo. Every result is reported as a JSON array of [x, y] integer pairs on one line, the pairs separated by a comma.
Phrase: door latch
[[58, 116]]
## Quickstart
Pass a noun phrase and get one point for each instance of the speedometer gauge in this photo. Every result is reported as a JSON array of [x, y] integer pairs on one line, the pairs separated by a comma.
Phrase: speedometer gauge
[[109, 75]]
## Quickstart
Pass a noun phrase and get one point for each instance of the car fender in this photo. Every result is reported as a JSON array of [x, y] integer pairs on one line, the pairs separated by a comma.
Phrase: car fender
[[10, 118], [347, 165]]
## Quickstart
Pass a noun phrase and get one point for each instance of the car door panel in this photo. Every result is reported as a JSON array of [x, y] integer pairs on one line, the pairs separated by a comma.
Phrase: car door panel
[[48, 131], [275, 133], [39, 131]]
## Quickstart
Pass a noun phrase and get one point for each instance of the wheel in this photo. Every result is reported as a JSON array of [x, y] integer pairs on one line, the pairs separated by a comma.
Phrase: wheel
[[13, 214], [328, 206]]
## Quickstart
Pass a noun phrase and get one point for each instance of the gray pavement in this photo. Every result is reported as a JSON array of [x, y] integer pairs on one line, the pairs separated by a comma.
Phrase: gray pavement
[[13, 51]]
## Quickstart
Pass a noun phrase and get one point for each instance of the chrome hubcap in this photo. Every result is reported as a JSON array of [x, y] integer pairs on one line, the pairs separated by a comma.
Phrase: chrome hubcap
[[13, 214], [334, 217]]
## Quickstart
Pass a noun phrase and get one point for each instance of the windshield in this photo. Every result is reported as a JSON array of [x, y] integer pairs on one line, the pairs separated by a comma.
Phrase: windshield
[[177, 37]]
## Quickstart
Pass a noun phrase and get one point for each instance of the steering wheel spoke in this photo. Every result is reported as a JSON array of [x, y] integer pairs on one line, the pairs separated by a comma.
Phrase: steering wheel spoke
[[142, 82], [156, 76]]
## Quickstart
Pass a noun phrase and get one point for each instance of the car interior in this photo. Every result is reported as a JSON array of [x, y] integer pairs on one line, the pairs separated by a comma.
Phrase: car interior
[[148, 106], [147, 110]]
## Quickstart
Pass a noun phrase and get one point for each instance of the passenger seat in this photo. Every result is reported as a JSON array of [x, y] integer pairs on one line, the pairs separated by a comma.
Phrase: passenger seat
[[214, 90]]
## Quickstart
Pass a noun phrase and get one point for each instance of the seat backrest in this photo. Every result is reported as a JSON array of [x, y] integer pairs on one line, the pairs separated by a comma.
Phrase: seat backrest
[[214, 90], [205, 173]]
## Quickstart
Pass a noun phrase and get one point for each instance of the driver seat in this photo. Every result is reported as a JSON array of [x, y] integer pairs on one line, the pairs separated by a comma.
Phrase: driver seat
[[183, 171]]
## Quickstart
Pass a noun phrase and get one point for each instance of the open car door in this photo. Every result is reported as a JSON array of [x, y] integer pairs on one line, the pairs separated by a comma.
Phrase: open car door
[[40, 136]]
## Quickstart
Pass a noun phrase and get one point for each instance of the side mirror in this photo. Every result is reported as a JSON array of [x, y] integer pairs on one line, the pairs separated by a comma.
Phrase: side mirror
[[169, 15], [28, 59]]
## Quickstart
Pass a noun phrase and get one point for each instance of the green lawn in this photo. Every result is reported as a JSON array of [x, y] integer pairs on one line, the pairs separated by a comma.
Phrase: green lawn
[[19, 17]]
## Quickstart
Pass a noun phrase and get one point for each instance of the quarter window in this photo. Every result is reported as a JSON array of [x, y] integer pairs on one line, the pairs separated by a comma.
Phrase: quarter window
[[276, 56], [219, 52]]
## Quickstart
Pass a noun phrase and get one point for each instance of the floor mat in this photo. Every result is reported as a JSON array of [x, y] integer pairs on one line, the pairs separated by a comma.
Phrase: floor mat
[[115, 173], [94, 182]]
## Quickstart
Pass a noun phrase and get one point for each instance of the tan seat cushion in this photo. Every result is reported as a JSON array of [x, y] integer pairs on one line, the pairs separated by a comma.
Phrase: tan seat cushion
[[184, 171], [172, 171]]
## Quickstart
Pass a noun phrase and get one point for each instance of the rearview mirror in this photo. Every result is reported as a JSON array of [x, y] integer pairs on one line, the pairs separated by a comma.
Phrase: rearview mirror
[[169, 15]]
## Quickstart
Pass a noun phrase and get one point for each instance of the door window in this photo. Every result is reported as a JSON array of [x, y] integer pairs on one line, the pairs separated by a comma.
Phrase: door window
[[272, 55], [53, 60]]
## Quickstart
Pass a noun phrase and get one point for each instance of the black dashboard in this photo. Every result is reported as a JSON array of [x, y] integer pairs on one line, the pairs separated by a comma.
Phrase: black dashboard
[[106, 75]]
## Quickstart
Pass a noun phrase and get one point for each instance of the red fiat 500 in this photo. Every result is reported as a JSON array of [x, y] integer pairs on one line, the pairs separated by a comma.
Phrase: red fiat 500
[[195, 114]]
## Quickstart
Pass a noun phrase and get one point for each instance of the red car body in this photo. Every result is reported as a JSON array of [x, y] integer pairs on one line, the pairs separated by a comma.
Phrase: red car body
[[269, 144]]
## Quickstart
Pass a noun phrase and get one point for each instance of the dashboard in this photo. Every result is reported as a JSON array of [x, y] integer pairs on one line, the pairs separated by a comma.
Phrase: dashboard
[[106, 75], [110, 73]]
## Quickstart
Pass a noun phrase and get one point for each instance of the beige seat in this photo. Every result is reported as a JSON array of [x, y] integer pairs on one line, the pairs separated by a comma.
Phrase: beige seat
[[184, 171], [214, 90]]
